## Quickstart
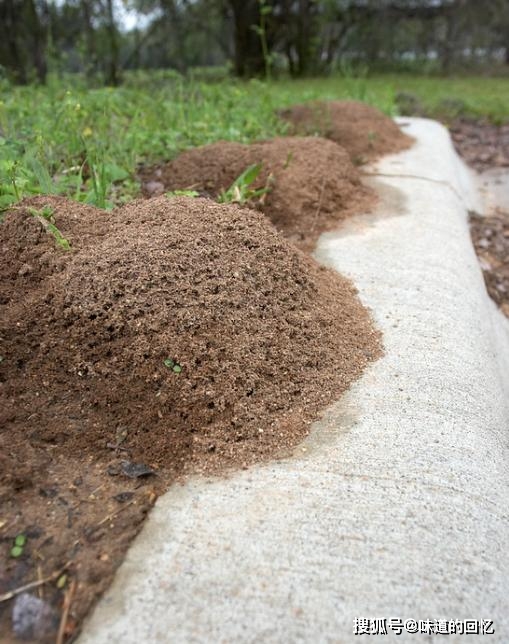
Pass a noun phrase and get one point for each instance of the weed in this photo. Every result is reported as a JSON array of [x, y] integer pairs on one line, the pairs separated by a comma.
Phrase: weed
[[289, 159], [240, 191], [261, 30], [182, 193], [45, 217], [86, 143], [171, 364], [19, 545]]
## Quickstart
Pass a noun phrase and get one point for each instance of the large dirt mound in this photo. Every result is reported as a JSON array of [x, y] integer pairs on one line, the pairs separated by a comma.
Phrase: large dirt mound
[[176, 334], [365, 132], [313, 184], [262, 334]]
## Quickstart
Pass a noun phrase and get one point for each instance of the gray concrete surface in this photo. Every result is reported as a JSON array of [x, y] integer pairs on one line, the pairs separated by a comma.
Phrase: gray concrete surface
[[494, 188], [397, 505]]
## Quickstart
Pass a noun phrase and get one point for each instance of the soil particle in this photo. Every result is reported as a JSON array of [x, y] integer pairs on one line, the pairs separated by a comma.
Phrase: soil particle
[[365, 132], [178, 336], [312, 183]]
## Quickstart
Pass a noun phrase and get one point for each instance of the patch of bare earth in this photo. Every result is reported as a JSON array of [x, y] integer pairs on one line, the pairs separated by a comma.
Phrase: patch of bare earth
[[312, 184], [177, 336], [482, 144], [485, 146], [365, 132], [490, 235]]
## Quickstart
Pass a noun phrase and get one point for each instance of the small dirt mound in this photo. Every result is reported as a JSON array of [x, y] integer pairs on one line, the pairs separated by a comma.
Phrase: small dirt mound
[[178, 335], [365, 132], [313, 184]]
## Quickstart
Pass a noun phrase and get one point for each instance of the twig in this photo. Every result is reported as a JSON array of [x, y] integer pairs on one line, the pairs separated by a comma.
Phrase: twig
[[65, 612], [114, 514], [117, 446], [39, 577], [34, 584]]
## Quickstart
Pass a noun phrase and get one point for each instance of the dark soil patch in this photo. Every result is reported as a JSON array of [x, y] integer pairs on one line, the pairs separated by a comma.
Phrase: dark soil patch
[[313, 184], [179, 334], [364, 132], [491, 240], [482, 144]]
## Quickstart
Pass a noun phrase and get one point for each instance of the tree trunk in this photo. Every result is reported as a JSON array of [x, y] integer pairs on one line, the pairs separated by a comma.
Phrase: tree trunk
[[112, 75], [39, 42], [303, 37], [91, 63], [14, 54], [249, 59]]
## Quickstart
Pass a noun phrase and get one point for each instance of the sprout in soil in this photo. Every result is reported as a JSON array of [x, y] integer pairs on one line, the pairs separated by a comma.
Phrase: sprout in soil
[[19, 544], [171, 364]]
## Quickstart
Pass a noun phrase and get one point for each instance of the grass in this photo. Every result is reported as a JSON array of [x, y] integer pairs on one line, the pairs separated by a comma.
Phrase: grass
[[86, 143]]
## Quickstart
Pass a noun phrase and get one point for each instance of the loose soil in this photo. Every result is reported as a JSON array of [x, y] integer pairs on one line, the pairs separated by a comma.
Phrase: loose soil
[[484, 146], [490, 235], [177, 336], [312, 183], [365, 132]]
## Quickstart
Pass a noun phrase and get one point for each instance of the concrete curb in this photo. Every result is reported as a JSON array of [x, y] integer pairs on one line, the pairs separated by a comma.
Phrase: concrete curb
[[397, 504]]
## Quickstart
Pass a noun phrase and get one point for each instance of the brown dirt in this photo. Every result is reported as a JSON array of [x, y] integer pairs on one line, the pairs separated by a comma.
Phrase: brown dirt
[[482, 144], [485, 145], [490, 235], [313, 184], [265, 339], [364, 132]]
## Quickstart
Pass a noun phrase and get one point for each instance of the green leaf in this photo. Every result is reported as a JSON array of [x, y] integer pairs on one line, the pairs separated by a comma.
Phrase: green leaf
[[177, 368], [61, 581], [42, 176], [249, 175], [20, 540], [16, 551], [169, 363], [7, 200], [114, 172], [182, 193]]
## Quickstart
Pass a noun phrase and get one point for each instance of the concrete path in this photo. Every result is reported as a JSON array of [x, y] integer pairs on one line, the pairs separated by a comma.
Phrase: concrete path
[[397, 505]]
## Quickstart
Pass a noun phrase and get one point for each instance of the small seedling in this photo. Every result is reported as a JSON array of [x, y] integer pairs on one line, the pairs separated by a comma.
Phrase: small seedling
[[61, 581], [19, 544], [182, 193], [171, 364], [240, 191], [45, 216], [289, 159]]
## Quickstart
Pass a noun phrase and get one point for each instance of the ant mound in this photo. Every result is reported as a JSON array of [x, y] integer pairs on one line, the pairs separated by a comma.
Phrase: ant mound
[[365, 132], [175, 336], [308, 184], [191, 327]]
